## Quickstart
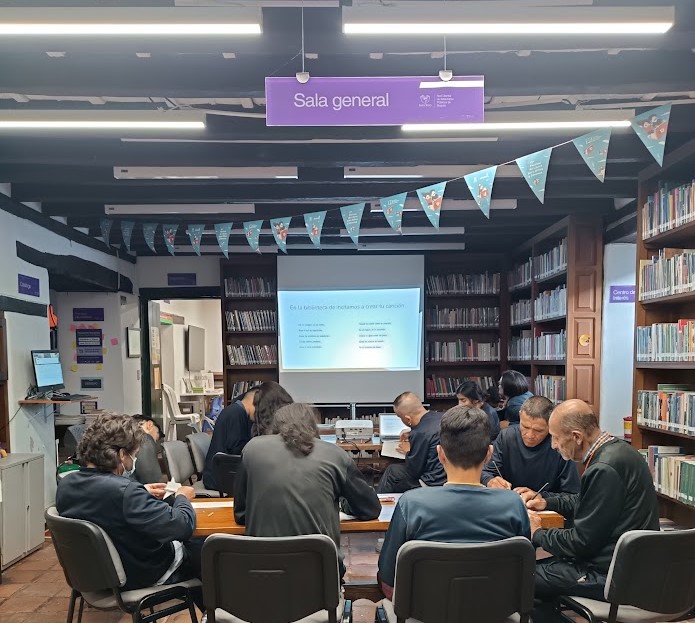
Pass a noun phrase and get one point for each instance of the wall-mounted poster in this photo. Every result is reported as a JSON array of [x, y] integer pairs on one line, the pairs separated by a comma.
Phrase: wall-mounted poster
[[133, 342]]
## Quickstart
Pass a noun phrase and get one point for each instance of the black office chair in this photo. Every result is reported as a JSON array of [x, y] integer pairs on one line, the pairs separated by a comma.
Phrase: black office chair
[[447, 582], [225, 468], [651, 578], [94, 571], [272, 580], [198, 446]]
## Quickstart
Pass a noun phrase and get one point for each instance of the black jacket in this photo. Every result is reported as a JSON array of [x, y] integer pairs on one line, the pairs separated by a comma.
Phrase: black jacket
[[422, 462], [617, 494], [140, 526]]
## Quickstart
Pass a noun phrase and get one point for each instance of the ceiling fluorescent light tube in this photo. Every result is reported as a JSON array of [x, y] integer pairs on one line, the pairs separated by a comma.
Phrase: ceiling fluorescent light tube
[[101, 120], [203, 173], [413, 205], [514, 126], [189, 209]]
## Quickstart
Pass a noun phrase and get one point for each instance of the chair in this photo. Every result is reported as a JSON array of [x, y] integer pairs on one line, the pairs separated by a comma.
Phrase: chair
[[447, 582], [225, 468], [651, 578], [94, 571], [272, 580], [173, 415], [180, 467], [198, 445]]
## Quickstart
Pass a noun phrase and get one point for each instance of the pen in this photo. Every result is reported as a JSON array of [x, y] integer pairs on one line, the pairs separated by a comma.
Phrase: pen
[[498, 470], [539, 490]]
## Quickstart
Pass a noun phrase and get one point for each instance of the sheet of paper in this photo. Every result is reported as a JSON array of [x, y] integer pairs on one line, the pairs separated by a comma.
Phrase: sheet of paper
[[220, 504], [346, 517], [171, 488], [388, 448]]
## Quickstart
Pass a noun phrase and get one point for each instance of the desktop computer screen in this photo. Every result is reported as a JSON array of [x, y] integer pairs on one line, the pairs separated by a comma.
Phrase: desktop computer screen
[[47, 369]]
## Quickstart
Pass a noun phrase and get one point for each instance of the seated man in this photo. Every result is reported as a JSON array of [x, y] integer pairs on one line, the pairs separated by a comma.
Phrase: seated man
[[290, 481], [523, 458], [617, 494], [233, 430], [421, 463], [462, 511], [150, 534]]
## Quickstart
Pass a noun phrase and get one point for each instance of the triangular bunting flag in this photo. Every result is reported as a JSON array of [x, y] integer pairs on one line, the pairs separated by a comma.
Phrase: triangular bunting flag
[[652, 128], [222, 231], [393, 209], [252, 229], [534, 168], [431, 198], [480, 184], [593, 147], [127, 233], [314, 225], [148, 231], [195, 233], [106, 230], [352, 217], [169, 232], [280, 227]]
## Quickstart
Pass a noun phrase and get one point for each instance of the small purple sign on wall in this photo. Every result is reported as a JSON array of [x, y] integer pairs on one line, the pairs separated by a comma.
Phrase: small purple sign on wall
[[622, 294], [181, 279], [28, 285], [84, 314], [379, 100]]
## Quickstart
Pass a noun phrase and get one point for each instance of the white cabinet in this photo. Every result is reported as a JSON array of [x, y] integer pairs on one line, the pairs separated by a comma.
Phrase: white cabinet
[[21, 506]]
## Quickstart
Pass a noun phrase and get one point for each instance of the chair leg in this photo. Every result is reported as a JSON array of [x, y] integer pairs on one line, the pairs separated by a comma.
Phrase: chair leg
[[79, 613], [71, 608], [191, 609]]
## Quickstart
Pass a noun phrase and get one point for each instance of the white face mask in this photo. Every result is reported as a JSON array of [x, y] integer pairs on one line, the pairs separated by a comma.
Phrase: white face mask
[[129, 472]]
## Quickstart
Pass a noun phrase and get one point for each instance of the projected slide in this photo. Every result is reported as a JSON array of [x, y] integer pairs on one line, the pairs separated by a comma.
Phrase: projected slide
[[350, 330]]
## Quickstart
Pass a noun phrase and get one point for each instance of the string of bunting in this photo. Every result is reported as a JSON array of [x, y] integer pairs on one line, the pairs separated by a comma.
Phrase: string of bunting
[[651, 127]]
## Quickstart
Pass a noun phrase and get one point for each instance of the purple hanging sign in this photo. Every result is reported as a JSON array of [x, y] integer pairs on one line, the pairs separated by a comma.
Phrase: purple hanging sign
[[622, 294], [379, 100]]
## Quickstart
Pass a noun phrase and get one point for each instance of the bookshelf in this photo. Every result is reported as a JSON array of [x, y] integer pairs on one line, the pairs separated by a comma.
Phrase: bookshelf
[[664, 398], [555, 291], [249, 322], [466, 312]]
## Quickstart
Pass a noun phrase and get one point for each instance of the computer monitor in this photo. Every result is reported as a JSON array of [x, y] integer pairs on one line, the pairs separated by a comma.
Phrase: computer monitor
[[47, 370]]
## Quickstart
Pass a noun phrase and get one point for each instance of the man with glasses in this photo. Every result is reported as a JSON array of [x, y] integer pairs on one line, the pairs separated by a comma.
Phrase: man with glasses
[[523, 459]]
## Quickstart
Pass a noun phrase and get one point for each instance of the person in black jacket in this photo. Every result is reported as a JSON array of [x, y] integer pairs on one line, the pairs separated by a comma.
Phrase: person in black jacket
[[422, 464], [148, 469], [617, 494], [150, 534]]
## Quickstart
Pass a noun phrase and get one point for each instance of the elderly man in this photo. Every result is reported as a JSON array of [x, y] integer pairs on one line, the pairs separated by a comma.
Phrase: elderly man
[[616, 495]]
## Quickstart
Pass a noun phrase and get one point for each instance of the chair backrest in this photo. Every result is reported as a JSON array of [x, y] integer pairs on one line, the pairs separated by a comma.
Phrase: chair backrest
[[178, 460], [72, 437], [453, 582], [653, 571], [271, 580], [224, 469], [198, 443], [170, 401], [87, 555]]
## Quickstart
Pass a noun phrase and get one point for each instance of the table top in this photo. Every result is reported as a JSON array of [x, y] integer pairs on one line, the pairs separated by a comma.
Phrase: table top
[[215, 516], [209, 392], [44, 401]]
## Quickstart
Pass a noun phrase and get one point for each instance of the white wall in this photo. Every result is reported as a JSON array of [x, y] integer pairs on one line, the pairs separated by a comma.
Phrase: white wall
[[618, 341], [152, 271]]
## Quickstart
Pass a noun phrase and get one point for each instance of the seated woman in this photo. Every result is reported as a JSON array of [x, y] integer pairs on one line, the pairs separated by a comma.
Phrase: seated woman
[[290, 481], [150, 534], [515, 392], [147, 469], [267, 399], [470, 394]]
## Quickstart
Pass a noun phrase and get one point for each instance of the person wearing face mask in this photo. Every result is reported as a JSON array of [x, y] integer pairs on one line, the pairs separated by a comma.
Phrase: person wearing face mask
[[152, 536]]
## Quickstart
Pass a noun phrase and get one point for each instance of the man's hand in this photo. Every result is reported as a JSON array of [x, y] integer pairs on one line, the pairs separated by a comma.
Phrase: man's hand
[[537, 503], [525, 493], [157, 489], [499, 483], [187, 492], [405, 436], [535, 520], [403, 447]]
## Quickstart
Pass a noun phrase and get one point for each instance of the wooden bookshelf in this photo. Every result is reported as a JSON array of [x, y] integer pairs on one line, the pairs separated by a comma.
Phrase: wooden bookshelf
[[679, 166], [246, 267], [583, 277]]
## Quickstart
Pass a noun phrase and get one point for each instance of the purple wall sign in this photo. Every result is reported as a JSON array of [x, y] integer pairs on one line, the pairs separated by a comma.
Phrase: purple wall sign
[[181, 279], [83, 314], [622, 294], [379, 100], [28, 285], [89, 343]]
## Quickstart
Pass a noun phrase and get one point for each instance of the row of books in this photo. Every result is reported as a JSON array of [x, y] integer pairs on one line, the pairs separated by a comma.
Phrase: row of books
[[671, 206], [521, 312], [462, 350], [672, 271], [552, 387], [667, 341], [673, 472], [551, 262], [669, 407], [458, 283], [240, 287], [550, 303], [253, 320], [241, 387], [550, 345], [520, 275], [445, 386], [520, 347], [252, 354], [462, 317]]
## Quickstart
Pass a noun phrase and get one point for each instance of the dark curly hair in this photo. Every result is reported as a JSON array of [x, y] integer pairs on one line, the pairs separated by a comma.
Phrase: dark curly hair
[[269, 397], [297, 425], [105, 437]]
